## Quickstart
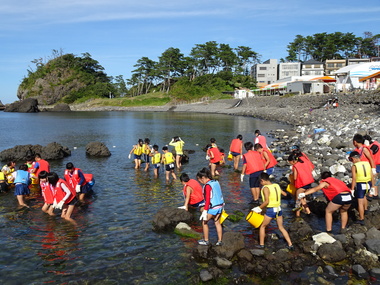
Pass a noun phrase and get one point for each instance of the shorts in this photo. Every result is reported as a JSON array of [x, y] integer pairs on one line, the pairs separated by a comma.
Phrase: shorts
[[137, 156], [235, 153], [378, 168], [216, 163], [85, 188], [270, 170], [342, 199], [146, 158], [361, 189], [169, 167], [215, 211], [157, 165], [199, 204], [308, 186], [21, 189], [72, 202], [273, 212], [254, 179], [3, 187]]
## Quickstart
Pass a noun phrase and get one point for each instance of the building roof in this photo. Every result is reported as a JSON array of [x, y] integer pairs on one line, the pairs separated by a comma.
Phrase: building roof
[[312, 61], [359, 70], [374, 75]]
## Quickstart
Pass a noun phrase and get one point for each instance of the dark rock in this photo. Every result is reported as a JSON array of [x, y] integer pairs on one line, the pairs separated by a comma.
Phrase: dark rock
[[233, 242], [167, 218], [375, 273], [60, 108], [330, 271], [29, 105], [300, 231], [373, 245], [50, 152], [205, 275], [358, 238], [373, 233], [365, 258], [331, 252], [245, 254], [360, 271], [223, 262], [97, 149]]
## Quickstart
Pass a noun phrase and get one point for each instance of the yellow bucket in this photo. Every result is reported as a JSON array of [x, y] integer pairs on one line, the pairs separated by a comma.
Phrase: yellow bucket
[[223, 216], [291, 189], [230, 157], [255, 219]]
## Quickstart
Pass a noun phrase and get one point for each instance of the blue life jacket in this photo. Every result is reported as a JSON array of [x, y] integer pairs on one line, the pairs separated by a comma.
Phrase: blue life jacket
[[216, 198], [22, 176]]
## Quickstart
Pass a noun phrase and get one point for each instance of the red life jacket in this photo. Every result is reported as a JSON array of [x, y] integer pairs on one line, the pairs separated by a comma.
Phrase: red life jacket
[[336, 186], [304, 176], [253, 162], [261, 140], [197, 195], [376, 156], [216, 153], [43, 165], [236, 146], [88, 177], [47, 193], [73, 178], [307, 160], [59, 194], [360, 150], [272, 159]]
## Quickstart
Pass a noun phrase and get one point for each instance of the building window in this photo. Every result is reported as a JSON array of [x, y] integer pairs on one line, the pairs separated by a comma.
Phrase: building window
[[339, 65], [330, 65], [307, 66], [260, 75], [263, 68]]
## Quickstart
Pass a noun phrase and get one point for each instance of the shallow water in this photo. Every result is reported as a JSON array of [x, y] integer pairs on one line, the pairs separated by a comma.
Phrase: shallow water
[[114, 240]]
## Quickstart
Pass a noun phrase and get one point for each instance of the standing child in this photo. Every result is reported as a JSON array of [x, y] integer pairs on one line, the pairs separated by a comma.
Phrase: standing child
[[22, 181], [168, 161], [236, 149], [76, 180], [137, 152], [156, 160], [271, 195], [47, 193], [178, 144], [215, 156], [146, 152], [362, 181], [213, 208], [64, 196]]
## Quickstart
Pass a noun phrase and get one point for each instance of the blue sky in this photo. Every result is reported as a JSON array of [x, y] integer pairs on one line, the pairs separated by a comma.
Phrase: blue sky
[[119, 32]]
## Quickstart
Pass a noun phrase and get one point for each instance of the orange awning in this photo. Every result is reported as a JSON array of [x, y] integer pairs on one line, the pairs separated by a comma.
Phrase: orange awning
[[376, 74], [325, 79]]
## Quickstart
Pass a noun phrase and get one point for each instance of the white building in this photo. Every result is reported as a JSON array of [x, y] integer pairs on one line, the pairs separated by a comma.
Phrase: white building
[[312, 67], [347, 78], [265, 73], [289, 69], [243, 93]]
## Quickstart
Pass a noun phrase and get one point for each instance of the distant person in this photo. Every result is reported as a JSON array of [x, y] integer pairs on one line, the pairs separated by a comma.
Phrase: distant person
[[192, 191], [40, 165], [338, 195], [253, 166], [213, 208], [178, 144], [236, 149], [259, 138], [215, 156], [363, 150], [77, 180], [271, 195], [168, 161], [335, 103], [8, 170], [22, 181], [137, 151], [47, 193], [374, 147], [146, 153], [269, 160], [156, 160]]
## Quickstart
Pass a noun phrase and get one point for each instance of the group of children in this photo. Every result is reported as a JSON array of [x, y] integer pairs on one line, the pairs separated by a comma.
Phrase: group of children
[[62, 194]]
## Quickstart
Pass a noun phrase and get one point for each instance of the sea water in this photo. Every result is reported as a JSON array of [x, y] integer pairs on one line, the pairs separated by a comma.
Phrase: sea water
[[113, 242]]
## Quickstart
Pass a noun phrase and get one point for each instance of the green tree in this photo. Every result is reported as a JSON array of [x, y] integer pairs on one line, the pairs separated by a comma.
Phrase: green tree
[[246, 57], [170, 65]]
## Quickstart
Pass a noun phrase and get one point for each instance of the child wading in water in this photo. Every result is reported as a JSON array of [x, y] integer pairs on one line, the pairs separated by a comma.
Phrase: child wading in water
[[213, 208], [271, 195], [168, 161], [22, 181], [156, 161]]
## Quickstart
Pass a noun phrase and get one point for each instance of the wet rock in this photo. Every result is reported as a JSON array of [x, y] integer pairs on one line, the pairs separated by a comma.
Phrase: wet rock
[[364, 257], [29, 105], [373, 245], [223, 262], [52, 151], [167, 218], [300, 231], [185, 230], [330, 271], [233, 242], [360, 272], [98, 149], [331, 252], [375, 273], [373, 233], [205, 275], [358, 238]]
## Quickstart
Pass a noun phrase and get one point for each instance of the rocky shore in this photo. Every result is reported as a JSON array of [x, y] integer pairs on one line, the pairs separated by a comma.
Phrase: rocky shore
[[326, 136]]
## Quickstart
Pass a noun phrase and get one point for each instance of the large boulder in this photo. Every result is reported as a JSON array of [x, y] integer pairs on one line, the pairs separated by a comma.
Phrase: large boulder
[[29, 105], [97, 149], [331, 252], [167, 218], [50, 152], [60, 108]]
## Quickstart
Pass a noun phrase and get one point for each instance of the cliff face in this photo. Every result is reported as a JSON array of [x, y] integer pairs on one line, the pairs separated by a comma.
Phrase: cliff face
[[65, 79], [52, 87]]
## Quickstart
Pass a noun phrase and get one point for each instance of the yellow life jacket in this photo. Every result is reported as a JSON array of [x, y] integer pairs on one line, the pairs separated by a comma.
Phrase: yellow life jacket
[[274, 195], [2, 176], [138, 150], [156, 158], [146, 149], [363, 171], [178, 146], [168, 157]]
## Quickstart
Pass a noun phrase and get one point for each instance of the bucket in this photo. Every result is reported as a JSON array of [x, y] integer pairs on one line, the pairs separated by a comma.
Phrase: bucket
[[291, 189], [255, 219], [223, 216]]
